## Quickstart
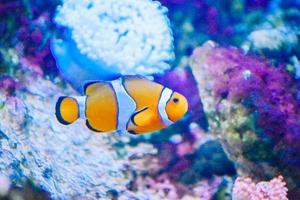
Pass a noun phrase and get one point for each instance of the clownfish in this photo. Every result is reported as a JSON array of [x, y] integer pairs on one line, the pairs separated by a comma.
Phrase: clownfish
[[131, 103]]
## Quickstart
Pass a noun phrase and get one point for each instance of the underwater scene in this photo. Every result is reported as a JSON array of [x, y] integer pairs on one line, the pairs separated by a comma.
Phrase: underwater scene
[[150, 99]]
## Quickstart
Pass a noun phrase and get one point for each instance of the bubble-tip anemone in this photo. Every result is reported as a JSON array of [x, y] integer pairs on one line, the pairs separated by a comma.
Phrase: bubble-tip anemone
[[112, 36]]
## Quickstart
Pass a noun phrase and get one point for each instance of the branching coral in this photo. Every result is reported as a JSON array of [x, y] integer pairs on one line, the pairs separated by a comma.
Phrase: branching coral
[[246, 189]]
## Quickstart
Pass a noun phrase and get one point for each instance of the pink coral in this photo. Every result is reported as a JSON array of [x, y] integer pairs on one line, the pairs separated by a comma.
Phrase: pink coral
[[163, 187], [246, 189], [184, 148]]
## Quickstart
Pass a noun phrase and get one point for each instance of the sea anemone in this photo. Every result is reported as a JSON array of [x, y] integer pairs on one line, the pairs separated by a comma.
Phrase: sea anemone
[[109, 37]]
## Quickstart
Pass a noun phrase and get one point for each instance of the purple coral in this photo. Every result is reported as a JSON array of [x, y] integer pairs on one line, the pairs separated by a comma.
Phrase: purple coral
[[8, 84], [34, 38], [246, 189], [29, 32], [268, 92]]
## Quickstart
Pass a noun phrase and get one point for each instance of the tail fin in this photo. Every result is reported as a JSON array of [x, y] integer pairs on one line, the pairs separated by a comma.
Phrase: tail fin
[[67, 110]]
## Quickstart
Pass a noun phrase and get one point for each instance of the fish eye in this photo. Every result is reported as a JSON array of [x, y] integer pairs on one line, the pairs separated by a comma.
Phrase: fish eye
[[175, 100]]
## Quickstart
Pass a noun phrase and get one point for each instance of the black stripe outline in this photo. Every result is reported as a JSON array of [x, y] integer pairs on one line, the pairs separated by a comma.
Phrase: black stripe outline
[[58, 113], [88, 84], [136, 113], [116, 99], [90, 126]]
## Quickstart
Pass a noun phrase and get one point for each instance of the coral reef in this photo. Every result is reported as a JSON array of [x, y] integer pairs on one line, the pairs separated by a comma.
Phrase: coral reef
[[107, 38], [246, 189], [246, 123], [253, 108]]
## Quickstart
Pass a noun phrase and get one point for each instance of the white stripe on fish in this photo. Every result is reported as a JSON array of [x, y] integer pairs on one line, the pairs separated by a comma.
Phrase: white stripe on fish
[[164, 98], [126, 105]]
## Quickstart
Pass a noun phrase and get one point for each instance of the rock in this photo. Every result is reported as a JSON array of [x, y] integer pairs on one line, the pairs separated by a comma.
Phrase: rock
[[66, 161], [251, 108]]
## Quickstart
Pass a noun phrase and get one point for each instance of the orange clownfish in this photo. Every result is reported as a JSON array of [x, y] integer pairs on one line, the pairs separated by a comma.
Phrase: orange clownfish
[[131, 103]]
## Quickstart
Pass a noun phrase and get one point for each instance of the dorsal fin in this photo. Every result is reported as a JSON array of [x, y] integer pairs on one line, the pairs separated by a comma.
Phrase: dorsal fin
[[91, 86]]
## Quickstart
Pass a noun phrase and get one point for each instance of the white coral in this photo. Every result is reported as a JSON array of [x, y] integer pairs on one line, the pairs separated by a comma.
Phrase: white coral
[[273, 39], [132, 36]]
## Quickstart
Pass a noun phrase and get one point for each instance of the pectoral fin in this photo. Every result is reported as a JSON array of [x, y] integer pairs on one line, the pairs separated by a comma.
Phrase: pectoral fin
[[142, 117]]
